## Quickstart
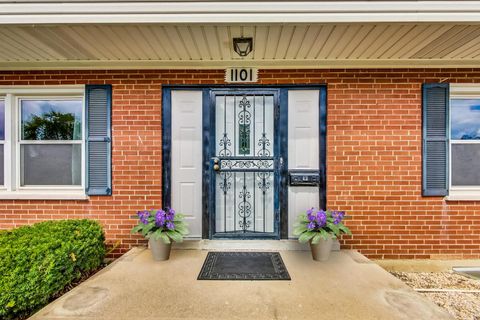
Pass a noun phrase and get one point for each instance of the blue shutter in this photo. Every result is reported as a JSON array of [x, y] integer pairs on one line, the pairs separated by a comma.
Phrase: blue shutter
[[99, 139], [435, 139]]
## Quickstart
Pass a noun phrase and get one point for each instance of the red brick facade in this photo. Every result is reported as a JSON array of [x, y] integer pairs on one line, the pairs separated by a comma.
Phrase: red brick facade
[[374, 158]]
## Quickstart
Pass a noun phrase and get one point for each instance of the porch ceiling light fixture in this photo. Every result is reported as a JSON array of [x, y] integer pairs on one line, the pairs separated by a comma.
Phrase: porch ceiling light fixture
[[243, 46]]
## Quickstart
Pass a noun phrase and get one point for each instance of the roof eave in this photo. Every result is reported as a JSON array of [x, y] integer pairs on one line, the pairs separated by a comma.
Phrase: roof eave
[[269, 64], [88, 12]]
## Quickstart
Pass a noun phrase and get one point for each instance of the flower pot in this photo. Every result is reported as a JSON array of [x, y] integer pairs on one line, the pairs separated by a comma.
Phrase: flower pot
[[321, 251], [160, 250]]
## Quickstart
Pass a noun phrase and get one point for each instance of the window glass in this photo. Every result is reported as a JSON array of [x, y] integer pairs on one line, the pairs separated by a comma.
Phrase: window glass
[[51, 119], [2, 137], [465, 119], [2, 120], [51, 164], [465, 164], [1, 166]]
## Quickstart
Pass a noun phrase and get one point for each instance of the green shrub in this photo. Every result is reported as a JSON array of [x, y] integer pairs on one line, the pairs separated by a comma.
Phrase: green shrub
[[38, 261]]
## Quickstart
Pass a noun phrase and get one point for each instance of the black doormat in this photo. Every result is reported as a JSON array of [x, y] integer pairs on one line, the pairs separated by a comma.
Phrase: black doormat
[[243, 266]]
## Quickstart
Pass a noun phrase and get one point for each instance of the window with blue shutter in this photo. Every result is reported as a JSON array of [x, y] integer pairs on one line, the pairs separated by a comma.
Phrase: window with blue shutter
[[99, 139], [464, 141], [435, 139]]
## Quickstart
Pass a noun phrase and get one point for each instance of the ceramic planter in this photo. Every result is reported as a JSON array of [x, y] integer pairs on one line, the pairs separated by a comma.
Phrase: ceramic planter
[[160, 250], [321, 251]]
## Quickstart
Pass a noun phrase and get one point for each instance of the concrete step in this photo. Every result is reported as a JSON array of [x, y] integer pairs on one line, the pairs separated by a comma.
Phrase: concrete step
[[268, 245]]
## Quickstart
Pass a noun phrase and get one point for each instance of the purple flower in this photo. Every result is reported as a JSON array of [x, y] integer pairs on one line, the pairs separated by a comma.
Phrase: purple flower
[[310, 215], [170, 225], [170, 214], [143, 216], [338, 216], [321, 218], [160, 218], [311, 225]]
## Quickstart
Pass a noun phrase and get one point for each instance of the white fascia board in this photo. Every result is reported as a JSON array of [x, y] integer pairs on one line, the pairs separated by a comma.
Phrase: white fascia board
[[261, 64], [257, 18], [239, 12]]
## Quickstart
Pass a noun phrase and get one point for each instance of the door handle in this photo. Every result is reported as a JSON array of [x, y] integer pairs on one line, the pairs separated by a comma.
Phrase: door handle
[[216, 165]]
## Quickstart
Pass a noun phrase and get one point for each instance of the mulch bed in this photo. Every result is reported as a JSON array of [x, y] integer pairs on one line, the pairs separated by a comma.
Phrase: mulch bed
[[462, 305]]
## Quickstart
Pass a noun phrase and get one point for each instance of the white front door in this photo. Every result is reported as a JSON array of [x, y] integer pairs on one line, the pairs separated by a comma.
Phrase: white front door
[[186, 161], [303, 149]]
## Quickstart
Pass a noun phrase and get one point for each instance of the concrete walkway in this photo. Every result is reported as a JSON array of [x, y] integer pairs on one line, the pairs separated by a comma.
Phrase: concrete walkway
[[348, 286]]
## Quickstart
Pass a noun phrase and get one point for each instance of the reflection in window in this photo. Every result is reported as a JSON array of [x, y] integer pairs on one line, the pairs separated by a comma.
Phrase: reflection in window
[[465, 119], [51, 119], [465, 142]]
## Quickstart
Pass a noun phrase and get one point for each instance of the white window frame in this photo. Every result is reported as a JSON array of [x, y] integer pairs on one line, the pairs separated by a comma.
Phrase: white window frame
[[12, 188], [461, 91]]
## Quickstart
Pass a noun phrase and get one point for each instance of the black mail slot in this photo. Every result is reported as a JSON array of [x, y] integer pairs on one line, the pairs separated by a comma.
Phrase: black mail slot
[[304, 177]]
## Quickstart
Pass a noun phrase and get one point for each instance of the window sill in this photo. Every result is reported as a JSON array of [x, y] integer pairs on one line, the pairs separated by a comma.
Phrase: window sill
[[463, 196], [42, 196]]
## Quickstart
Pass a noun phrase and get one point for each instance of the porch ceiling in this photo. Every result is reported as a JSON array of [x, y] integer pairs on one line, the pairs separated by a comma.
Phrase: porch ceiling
[[209, 46]]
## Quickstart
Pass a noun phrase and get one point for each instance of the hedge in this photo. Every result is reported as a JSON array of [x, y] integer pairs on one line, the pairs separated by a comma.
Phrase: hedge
[[38, 261]]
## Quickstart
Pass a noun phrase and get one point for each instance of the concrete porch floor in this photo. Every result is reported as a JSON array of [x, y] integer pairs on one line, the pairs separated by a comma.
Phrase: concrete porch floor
[[348, 286]]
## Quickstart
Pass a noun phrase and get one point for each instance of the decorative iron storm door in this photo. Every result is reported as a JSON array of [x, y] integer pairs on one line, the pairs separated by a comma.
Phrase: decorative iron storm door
[[244, 164]]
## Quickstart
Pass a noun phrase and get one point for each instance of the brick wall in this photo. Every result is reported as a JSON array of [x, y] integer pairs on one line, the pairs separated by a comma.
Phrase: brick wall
[[374, 158]]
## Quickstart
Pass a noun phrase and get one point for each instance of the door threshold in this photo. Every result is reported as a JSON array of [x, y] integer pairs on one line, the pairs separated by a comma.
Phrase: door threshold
[[266, 245]]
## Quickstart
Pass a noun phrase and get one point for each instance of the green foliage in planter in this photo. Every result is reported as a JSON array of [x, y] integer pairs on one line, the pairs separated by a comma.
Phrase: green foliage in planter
[[161, 224], [315, 225], [38, 261]]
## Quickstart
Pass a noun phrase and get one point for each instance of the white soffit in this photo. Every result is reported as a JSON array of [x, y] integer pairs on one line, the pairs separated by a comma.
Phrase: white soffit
[[55, 11], [210, 46], [58, 34]]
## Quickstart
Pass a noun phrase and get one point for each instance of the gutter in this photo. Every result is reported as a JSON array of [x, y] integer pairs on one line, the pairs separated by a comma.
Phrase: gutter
[[169, 12]]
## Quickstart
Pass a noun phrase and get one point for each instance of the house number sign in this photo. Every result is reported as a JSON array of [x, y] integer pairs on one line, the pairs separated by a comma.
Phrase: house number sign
[[239, 75]]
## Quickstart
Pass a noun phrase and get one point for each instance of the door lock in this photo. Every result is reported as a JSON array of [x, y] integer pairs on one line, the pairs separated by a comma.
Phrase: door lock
[[216, 165]]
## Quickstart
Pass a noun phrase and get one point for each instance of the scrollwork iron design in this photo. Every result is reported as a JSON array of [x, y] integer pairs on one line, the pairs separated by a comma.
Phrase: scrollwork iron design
[[244, 120], [264, 142], [244, 207], [225, 182], [264, 183], [246, 203], [244, 116], [246, 164], [225, 143]]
